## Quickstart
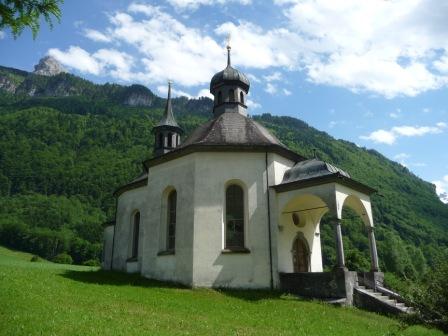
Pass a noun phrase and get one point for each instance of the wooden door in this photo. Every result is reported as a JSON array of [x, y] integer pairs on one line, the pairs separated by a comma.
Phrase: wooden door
[[300, 255]]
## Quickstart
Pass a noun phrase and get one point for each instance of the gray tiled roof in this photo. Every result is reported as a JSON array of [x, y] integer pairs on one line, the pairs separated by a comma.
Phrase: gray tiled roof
[[309, 169], [231, 128]]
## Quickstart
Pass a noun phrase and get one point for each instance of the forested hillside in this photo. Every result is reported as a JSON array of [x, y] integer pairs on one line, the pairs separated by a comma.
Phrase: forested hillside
[[66, 144]]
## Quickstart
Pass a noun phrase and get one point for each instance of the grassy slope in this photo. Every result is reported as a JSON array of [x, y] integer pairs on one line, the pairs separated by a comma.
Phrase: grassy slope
[[50, 299]]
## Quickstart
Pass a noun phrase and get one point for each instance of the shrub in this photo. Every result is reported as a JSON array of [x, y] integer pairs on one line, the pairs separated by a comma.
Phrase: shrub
[[431, 296], [35, 258], [63, 258], [92, 262]]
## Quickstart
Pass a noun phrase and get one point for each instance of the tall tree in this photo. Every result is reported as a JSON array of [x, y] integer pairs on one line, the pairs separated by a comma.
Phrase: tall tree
[[18, 14]]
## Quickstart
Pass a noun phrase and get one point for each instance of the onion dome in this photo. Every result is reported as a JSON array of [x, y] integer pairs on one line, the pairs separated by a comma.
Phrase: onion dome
[[229, 76]]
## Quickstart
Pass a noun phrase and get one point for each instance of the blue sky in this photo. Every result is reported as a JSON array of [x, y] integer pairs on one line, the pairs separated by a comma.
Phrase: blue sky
[[373, 72]]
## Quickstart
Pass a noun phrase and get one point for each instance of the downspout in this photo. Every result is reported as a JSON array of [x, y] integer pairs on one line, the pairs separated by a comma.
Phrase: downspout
[[269, 222]]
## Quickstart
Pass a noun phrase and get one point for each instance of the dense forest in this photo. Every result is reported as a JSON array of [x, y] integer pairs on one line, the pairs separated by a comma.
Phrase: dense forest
[[66, 144]]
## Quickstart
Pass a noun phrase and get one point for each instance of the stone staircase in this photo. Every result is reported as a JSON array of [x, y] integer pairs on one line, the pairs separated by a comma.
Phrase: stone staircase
[[381, 300]]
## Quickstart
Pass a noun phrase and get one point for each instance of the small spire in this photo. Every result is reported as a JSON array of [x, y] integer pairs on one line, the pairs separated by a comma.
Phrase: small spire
[[168, 116], [228, 50], [169, 88], [168, 107]]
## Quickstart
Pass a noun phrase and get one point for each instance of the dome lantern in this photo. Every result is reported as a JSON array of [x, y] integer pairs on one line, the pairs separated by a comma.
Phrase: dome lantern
[[229, 88]]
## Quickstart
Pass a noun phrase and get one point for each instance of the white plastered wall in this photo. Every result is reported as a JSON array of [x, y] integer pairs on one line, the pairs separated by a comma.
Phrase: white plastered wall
[[214, 171], [212, 267], [127, 204], [179, 175]]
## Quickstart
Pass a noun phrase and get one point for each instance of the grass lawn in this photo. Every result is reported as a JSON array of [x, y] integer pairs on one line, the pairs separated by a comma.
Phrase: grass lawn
[[42, 298]]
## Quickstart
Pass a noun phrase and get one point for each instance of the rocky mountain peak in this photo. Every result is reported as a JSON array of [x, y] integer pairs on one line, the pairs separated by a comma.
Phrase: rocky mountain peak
[[48, 66]]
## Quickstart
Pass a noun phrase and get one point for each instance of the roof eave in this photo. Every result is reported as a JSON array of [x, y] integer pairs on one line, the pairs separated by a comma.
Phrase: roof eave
[[130, 186], [319, 180], [223, 148]]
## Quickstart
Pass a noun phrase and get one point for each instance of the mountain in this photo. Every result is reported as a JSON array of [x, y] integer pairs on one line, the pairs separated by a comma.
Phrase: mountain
[[67, 143], [48, 66]]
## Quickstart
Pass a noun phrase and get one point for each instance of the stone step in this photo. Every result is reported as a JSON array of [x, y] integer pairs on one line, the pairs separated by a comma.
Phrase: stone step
[[384, 298]]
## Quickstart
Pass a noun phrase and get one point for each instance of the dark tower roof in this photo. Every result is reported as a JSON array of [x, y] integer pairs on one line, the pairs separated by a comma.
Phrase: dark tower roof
[[168, 120], [229, 75], [232, 129]]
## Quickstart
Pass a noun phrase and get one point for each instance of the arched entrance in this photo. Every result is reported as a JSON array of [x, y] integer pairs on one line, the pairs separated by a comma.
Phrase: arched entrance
[[300, 255]]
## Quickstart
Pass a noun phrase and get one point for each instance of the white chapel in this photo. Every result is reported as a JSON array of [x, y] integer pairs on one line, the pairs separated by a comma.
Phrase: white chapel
[[231, 206]]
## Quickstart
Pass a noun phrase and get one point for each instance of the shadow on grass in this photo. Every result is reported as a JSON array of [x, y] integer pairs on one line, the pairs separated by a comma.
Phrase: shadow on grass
[[101, 277], [111, 278]]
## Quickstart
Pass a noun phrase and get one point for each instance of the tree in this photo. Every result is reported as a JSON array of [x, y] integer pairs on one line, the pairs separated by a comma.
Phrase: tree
[[18, 14]]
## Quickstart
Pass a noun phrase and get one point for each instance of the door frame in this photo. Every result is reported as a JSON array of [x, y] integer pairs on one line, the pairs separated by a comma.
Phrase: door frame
[[301, 236]]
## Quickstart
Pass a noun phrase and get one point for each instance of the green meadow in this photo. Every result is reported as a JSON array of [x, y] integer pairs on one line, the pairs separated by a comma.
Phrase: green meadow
[[43, 298]]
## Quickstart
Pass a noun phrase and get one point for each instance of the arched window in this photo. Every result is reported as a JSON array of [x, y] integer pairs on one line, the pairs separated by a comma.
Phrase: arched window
[[170, 140], [234, 230], [219, 97], [161, 144], [231, 95], [135, 235], [241, 97], [171, 220]]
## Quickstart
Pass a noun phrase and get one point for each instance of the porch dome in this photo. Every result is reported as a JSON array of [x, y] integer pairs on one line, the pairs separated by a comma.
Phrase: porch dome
[[312, 168]]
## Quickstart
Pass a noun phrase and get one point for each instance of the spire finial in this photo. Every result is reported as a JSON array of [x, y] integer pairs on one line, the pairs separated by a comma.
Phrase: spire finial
[[170, 82], [228, 49]]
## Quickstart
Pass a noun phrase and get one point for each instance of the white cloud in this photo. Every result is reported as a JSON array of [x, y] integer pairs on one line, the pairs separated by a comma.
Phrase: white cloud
[[271, 47], [119, 63], [402, 156], [170, 49], [163, 90], [104, 61], [389, 137], [396, 114], [442, 188], [286, 92], [253, 78], [271, 88], [411, 131], [426, 110], [77, 58], [385, 47], [96, 36], [2, 34], [390, 48], [204, 93], [252, 104], [381, 136], [442, 64], [276, 76], [194, 4]]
